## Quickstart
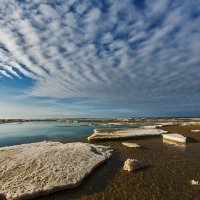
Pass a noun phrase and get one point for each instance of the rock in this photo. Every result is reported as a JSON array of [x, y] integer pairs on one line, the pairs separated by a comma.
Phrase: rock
[[31, 170], [124, 133], [195, 131], [130, 144], [193, 182], [133, 164], [175, 137]]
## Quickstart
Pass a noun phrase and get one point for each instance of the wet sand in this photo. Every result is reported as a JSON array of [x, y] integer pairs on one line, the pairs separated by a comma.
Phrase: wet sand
[[172, 167]]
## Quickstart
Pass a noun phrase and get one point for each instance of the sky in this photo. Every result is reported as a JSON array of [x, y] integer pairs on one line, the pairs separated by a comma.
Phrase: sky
[[91, 58]]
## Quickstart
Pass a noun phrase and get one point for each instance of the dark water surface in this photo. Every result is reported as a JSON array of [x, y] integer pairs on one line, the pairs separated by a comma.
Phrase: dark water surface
[[172, 166]]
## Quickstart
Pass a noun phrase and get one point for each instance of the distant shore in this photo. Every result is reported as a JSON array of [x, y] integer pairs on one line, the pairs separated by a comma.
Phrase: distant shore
[[110, 120]]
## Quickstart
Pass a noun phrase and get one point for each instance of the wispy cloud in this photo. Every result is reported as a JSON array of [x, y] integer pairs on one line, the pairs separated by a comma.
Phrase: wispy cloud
[[133, 51], [2, 72]]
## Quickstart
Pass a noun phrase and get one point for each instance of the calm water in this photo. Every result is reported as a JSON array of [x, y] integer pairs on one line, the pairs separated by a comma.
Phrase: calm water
[[20, 133]]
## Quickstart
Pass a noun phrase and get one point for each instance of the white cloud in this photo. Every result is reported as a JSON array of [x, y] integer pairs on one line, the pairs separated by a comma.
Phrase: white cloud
[[10, 70], [144, 54], [3, 72]]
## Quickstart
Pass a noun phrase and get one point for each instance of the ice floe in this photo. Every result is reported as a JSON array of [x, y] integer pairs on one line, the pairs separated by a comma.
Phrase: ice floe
[[124, 133], [175, 137], [31, 170]]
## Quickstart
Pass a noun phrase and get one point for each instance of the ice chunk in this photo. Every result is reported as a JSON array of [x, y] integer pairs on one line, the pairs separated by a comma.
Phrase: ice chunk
[[195, 131], [103, 134], [193, 182], [133, 164], [175, 137], [130, 144], [30, 170]]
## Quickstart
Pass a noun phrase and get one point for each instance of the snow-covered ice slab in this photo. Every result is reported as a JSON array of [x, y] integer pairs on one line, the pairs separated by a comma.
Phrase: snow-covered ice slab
[[31, 170], [124, 133], [175, 137]]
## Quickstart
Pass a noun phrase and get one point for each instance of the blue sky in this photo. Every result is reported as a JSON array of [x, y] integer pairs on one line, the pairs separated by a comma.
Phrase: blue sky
[[91, 58]]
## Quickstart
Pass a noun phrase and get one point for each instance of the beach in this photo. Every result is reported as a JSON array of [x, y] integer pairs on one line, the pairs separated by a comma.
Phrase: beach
[[172, 167]]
